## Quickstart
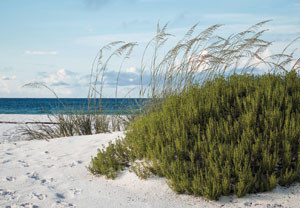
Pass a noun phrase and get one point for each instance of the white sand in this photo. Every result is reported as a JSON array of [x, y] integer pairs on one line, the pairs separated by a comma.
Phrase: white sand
[[9, 132], [54, 174]]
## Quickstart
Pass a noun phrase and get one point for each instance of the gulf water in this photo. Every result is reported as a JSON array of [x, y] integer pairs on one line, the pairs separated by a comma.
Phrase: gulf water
[[69, 105]]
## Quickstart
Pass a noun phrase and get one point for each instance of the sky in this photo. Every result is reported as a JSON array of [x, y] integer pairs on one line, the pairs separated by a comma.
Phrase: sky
[[54, 42]]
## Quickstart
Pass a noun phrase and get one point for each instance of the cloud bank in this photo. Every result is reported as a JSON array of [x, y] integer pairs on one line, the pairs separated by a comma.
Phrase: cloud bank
[[40, 52]]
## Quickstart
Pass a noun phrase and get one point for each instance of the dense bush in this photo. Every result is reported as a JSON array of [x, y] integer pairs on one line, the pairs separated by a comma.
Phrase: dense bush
[[111, 160], [238, 134]]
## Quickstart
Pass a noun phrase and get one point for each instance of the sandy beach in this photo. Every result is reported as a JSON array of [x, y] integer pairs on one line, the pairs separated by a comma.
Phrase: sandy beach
[[54, 174]]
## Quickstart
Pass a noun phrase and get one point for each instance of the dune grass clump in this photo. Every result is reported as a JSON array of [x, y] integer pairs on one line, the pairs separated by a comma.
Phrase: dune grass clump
[[75, 124], [238, 134], [65, 125]]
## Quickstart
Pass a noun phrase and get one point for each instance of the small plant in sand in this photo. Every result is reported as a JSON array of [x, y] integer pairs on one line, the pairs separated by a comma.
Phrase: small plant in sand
[[208, 131]]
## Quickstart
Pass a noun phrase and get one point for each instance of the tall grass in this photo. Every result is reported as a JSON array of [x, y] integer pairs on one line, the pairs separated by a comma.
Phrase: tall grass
[[199, 57], [196, 58]]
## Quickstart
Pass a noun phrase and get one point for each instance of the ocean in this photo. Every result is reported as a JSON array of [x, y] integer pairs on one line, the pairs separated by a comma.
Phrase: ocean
[[69, 105]]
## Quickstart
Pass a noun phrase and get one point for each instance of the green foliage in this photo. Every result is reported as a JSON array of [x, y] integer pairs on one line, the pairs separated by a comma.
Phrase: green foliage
[[238, 134], [110, 161], [141, 170]]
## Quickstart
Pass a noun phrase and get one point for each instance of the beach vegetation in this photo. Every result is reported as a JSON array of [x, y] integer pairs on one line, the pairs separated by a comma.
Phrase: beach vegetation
[[65, 125], [110, 160], [224, 119], [237, 134]]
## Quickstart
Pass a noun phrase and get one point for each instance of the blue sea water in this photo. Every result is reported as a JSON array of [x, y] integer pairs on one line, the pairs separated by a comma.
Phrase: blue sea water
[[68, 105]]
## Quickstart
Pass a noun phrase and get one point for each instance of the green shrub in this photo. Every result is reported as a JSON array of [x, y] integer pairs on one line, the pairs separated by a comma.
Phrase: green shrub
[[141, 170], [238, 134], [110, 160]]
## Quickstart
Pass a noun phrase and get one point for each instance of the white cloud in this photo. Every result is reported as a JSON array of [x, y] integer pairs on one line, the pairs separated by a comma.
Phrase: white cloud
[[64, 83], [60, 76], [4, 87], [131, 70], [40, 52], [3, 77], [8, 84], [199, 62]]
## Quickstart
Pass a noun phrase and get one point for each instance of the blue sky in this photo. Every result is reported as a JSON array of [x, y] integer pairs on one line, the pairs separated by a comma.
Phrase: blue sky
[[55, 41]]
